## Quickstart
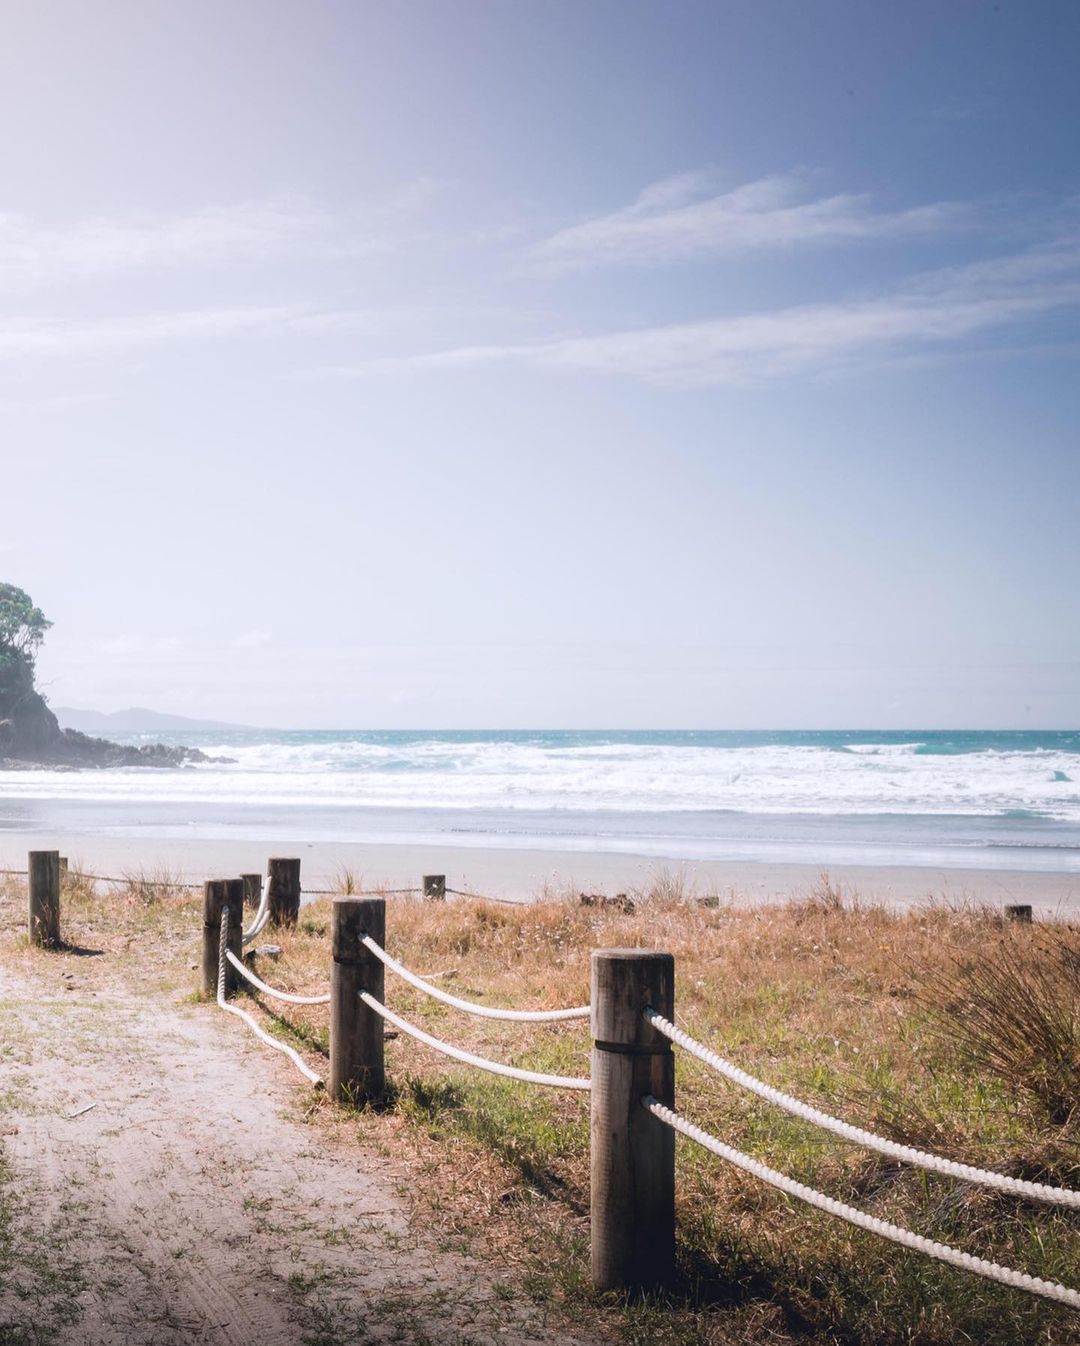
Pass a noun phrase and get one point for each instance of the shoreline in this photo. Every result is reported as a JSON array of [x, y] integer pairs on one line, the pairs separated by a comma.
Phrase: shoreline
[[527, 873]]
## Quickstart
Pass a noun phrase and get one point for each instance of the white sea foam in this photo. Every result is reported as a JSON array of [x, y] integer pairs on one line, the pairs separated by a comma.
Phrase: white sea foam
[[860, 778]]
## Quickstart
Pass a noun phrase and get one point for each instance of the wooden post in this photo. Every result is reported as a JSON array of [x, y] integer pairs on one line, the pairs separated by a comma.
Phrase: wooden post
[[217, 894], [63, 866], [44, 881], [1020, 911], [284, 891], [435, 887], [252, 889], [357, 1072], [632, 1152]]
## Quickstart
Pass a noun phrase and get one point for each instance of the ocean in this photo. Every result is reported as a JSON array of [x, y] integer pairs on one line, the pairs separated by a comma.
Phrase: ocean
[[1007, 800]]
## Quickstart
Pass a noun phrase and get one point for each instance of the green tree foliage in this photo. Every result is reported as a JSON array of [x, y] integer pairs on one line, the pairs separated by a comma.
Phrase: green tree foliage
[[22, 629]]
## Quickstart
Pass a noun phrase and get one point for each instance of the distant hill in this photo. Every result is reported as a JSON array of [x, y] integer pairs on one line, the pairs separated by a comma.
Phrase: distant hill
[[136, 720]]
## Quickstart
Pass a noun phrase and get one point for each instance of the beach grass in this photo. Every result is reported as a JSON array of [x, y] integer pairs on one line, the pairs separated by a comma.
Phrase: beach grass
[[894, 1020]]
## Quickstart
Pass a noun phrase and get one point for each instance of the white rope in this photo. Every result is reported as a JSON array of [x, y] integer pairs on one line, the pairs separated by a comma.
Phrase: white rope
[[245, 971], [993, 1271], [483, 1011], [496, 1068], [1036, 1191], [262, 913], [259, 1032]]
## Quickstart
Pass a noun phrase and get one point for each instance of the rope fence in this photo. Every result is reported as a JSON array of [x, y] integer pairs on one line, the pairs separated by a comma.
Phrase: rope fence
[[481, 1011], [632, 1022], [271, 991], [256, 1028], [467, 1058], [941, 1252], [636, 1164], [905, 1154]]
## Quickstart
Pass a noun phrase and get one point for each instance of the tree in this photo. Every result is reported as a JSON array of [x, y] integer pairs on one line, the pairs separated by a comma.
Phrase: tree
[[22, 625]]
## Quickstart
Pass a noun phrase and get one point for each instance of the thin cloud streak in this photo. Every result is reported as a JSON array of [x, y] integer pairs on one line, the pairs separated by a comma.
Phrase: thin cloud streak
[[675, 220], [57, 337], [935, 310], [34, 253]]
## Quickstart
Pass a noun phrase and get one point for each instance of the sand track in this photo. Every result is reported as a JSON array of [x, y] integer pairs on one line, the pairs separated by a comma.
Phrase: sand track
[[191, 1202]]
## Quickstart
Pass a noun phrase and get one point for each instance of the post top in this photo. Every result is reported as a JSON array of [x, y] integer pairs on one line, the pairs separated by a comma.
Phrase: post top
[[630, 953]]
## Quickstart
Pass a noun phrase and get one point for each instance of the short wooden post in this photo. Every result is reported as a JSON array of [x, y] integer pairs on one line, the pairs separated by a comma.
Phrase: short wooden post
[[284, 891], [357, 1072], [63, 866], [252, 889], [632, 1152], [44, 875], [218, 894], [1020, 911], [435, 887]]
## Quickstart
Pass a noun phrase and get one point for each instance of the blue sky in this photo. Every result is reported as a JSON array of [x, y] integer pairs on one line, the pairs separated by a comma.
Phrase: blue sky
[[546, 364]]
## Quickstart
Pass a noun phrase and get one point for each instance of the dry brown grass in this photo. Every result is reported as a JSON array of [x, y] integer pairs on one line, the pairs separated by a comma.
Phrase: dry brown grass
[[848, 1005]]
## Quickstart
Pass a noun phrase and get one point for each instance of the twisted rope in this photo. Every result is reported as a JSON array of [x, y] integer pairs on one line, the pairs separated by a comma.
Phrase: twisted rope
[[262, 914], [941, 1252], [481, 1062], [482, 1011], [257, 982], [1036, 1191], [259, 1032], [486, 897]]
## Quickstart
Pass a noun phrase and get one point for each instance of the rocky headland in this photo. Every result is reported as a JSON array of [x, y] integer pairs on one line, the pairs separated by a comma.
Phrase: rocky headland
[[30, 734]]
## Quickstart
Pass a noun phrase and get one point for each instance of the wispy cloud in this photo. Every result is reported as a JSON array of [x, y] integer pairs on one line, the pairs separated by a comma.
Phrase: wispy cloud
[[681, 218], [942, 309], [92, 337], [34, 252], [62, 336]]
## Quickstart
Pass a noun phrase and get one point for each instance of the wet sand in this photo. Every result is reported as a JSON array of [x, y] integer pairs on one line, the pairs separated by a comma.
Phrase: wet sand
[[524, 874]]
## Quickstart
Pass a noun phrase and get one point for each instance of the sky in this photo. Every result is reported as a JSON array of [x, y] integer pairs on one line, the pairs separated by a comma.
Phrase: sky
[[569, 363]]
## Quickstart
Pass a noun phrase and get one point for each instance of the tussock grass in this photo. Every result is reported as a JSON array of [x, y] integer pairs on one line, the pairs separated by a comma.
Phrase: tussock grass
[[851, 1006], [942, 1027]]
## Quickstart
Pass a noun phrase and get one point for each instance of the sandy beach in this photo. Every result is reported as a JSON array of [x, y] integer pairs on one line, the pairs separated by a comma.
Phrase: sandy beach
[[524, 874]]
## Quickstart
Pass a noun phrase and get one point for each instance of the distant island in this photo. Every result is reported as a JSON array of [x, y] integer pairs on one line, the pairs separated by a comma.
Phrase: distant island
[[30, 733], [140, 720]]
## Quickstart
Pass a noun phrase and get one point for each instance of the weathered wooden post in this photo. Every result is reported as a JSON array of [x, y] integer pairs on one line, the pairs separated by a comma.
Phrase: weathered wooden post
[[632, 1152], [218, 894], [435, 887], [252, 889], [1020, 911], [43, 868], [284, 891], [357, 1071]]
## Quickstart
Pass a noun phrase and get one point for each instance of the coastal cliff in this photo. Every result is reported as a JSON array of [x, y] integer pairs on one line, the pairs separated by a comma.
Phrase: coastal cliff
[[30, 734]]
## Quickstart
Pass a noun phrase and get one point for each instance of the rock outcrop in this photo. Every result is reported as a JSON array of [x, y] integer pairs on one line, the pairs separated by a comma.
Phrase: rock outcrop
[[30, 735]]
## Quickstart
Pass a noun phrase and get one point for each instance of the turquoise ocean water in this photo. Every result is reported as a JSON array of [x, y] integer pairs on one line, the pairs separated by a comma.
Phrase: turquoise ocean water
[[1004, 799]]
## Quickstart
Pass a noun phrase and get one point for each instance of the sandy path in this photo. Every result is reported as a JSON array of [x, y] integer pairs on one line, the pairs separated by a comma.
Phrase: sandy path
[[191, 1202]]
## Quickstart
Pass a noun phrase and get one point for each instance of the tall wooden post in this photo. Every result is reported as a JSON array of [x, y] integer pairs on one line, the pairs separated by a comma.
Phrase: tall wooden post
[[284, 891], [357, 1071], [435, 887], [44, 875], [632, 1152], [218, 894], [252, 889]]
